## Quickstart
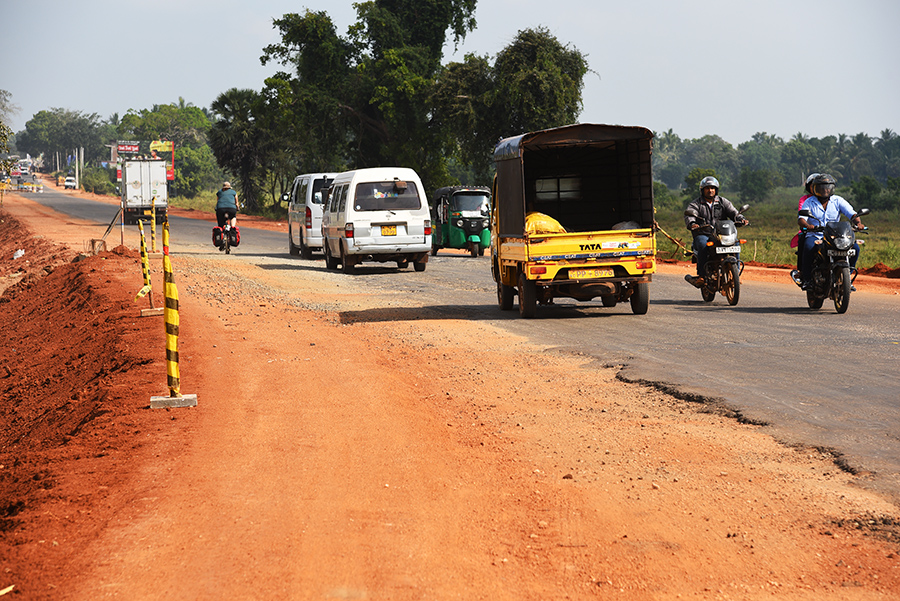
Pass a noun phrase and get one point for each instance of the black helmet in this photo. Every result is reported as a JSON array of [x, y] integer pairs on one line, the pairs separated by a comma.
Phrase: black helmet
[[822, 185]]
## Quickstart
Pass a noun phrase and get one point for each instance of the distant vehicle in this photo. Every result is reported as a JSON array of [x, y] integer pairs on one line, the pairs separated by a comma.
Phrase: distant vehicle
[[70, 183], [305, 204], [144, 189]]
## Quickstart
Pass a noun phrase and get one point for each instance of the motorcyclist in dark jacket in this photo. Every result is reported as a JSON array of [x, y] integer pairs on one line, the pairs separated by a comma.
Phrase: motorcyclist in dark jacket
[[706, 210]]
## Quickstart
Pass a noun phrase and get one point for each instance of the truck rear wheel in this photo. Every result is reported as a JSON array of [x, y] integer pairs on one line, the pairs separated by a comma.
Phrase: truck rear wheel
[[505, 296], [640, 299], [527, 297]]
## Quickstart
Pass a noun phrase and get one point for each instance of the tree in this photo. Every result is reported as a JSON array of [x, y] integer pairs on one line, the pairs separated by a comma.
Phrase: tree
[[866, 191], [196, 170], [712, 152], [62, 131], [538, 83], [7, 108], [692, 180], [374, 86], [183, 124], [535, 83], [463, 108], [235, 139], [797, 156], [755, 185]]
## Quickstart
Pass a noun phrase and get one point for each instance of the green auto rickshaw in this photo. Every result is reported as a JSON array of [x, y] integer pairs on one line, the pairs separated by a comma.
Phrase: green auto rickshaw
[[461, 218]]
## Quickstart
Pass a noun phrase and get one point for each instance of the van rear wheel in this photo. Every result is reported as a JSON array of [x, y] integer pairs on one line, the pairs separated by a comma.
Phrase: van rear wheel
[[294, 250], [305, 251], [330, 262]]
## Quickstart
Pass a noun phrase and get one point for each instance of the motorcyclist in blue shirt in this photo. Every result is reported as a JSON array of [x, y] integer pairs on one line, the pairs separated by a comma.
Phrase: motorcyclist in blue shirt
[[818, 210]]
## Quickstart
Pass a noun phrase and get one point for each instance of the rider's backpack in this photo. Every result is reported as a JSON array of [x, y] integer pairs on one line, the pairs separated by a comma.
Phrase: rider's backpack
[[217, 236]]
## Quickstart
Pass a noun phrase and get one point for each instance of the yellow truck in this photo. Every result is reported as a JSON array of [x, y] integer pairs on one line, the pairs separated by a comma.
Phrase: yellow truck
[[573, 217]]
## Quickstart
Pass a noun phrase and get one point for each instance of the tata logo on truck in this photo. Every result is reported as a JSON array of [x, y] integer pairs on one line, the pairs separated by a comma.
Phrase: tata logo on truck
[[610, 245]]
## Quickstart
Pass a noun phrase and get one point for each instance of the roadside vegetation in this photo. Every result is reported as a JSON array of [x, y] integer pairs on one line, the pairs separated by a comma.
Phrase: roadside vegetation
[[773, 224]]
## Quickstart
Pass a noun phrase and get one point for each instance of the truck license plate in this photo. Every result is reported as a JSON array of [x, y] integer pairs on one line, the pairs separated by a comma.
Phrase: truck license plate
[[728, 249], [388, 230], [578, 274]]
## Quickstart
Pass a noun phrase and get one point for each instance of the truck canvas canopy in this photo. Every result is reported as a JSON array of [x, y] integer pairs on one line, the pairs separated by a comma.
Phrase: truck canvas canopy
[[586, 176]]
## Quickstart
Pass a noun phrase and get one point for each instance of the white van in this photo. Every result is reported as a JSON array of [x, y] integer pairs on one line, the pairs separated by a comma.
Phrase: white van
[[379, 214], [305, 213]]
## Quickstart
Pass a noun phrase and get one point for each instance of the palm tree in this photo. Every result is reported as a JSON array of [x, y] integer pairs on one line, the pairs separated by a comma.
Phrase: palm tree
[[234, 138]]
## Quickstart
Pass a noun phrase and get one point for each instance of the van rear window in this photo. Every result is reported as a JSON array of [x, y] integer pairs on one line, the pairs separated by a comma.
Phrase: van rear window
[[317, 189], [380, 196]]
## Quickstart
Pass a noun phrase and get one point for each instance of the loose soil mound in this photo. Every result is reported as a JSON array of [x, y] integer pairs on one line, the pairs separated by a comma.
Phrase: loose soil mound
[[72, 343]]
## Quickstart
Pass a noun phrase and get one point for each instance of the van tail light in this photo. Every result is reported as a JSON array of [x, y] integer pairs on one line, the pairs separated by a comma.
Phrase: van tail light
[[427, 227], [538, 270], [644, 265], [348, 230], [308, 217]]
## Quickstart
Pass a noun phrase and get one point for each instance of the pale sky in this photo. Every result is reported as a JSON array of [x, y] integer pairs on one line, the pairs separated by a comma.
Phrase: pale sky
[[726, 67]]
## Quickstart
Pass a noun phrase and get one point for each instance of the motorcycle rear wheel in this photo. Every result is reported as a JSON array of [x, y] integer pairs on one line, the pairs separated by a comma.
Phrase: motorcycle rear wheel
[[842, 291], [731, 287]]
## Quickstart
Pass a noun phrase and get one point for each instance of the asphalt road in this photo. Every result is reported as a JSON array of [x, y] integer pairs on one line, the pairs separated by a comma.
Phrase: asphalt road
[[813, 377]]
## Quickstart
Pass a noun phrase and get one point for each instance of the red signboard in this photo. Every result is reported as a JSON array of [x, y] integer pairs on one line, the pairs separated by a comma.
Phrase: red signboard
[[128, 147]]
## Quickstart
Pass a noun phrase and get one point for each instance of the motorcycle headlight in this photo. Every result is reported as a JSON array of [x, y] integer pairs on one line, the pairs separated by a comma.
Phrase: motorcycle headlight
[[843, 242], [728, 239]]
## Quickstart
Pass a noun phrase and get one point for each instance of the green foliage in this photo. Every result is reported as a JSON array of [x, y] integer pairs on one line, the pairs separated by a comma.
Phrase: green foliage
[[379, 96], [774, 223], [535, 83], [5, 134], [62, 131], [664, 199], [692, 180], [755, 185], [866, 191], [196, 171], [235, 139], [184, 124], [97, 180]]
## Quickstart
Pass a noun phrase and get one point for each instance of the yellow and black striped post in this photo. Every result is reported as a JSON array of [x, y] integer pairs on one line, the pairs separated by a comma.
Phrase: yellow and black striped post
[[153, 229], [173, 376], [145, 266]]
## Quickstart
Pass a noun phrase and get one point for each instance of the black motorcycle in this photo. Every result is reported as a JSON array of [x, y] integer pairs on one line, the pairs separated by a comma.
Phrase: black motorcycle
[[832, 276], [722, 272]]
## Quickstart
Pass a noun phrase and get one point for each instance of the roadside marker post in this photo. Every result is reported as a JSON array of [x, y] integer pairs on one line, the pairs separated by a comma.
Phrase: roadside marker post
[[173, 376], [153, 229], [145, 268]]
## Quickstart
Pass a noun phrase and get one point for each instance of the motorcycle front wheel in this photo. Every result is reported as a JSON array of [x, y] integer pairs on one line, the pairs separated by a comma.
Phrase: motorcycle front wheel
[[814, 302], [842, 291], [731, 286]]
